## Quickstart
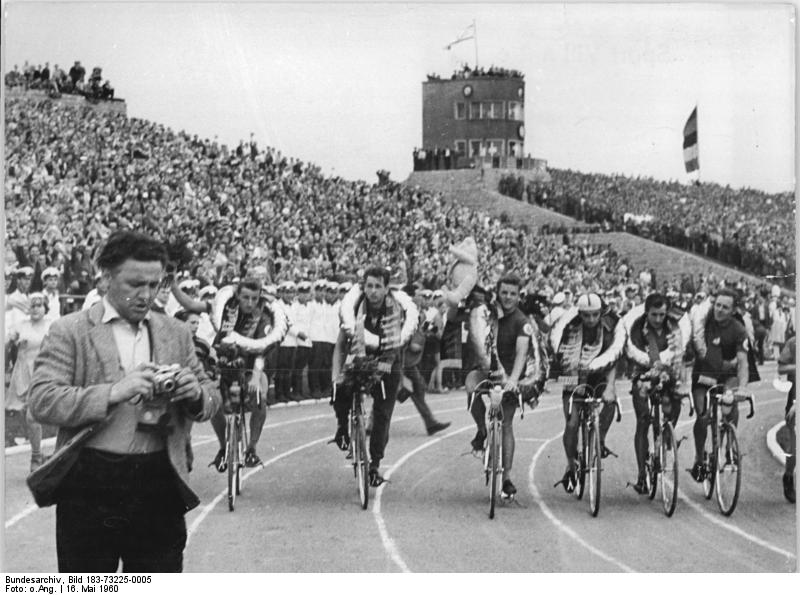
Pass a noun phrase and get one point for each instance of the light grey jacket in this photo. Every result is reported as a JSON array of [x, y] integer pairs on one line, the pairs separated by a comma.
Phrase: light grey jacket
[[79, 362]]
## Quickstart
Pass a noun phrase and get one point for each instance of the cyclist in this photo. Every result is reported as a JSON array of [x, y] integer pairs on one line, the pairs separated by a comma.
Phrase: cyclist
[[501, 337], [657, 336], [250, 325], [787, 365], [587, 340], [375, 321], [721, 345]]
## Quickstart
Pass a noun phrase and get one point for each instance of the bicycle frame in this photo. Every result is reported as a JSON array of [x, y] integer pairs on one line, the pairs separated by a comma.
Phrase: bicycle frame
[[658, 469], [236, 433], [723, 437], [589, 451], [493, 455]]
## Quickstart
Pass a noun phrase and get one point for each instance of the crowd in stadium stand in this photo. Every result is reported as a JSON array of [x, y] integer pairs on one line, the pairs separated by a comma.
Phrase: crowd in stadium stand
[[748, 229], [74, 174], [465, 72], [58, 81]]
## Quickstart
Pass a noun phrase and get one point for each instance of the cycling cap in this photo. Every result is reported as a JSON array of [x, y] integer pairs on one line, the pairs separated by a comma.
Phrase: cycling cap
[[589, 302]]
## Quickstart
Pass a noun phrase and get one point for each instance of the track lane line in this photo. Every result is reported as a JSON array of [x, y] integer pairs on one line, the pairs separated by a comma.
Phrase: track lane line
[[571, 533], [729, 526], [389, 544]]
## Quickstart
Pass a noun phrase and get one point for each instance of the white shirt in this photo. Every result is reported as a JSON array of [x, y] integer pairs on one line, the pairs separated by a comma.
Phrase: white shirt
[[290, 339], [317, 311], [301, 314], [330, 316], [91, 299], [119, 435], [53, 305]]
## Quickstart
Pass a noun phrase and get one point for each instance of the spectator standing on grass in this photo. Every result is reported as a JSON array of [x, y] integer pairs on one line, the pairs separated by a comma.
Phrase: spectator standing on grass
[[27, 335]]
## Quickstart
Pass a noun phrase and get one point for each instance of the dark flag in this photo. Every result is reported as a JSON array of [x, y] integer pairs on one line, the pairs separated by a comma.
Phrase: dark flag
[[691, 153]]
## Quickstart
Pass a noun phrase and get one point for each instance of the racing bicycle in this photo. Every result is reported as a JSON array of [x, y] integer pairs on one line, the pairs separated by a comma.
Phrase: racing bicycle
[[236, 438], [493, 453], [722, 459], [362, 376], [661, 465], [589, 464]]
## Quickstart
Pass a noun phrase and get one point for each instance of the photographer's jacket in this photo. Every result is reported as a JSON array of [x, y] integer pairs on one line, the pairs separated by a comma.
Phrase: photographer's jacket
[[79, 362]]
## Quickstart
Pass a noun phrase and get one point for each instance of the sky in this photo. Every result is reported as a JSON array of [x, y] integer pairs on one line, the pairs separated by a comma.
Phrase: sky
[[608, 86]]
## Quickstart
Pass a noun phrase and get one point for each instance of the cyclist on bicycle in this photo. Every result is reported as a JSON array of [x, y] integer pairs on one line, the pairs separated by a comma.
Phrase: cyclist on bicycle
[[656, 339], [376, 321], [501, 336], [586, 341], [248, 326], [721, 345]]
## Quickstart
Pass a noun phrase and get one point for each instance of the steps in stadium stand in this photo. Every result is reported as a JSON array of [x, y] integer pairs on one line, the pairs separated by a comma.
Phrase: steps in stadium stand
[[465, 187]]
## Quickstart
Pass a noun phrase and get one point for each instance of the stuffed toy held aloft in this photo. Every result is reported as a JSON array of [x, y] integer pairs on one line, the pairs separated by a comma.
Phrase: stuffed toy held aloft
[[463, 274]]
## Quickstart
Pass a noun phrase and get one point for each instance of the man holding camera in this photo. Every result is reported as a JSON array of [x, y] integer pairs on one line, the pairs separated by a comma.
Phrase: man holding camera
[[132, 375]]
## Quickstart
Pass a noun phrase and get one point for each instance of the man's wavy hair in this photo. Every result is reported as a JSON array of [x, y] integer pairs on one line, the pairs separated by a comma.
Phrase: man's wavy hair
[[130, 245]]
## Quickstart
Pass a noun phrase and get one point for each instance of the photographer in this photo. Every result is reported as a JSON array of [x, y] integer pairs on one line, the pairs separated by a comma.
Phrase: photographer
[[125, 494]]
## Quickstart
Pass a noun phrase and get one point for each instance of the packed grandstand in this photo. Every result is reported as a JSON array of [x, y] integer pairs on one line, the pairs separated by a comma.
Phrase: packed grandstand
[[75, 174]]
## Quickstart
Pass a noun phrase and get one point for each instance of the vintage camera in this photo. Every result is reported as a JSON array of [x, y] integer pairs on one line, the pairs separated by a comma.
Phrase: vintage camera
[[166, 380], [152, 414]]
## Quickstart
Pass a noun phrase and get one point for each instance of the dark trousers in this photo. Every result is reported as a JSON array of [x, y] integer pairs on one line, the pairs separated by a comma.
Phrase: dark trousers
[[319, 369], [283, 373], [302, 355], [418, 395], [382, 409], [641, 443], [120, 507]]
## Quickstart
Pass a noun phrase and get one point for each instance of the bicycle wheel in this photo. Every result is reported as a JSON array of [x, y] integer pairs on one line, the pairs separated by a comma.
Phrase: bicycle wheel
[[668, 461], [728, 477], [494, 463], [242, 448], [651, 466], [232, 459], [580, 472], [593, 467], [709, 460], [360, 460]]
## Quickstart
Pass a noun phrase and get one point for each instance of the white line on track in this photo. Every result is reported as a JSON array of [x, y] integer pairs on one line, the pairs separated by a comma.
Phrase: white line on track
[[15, 519], [205, 510], [553, 519], [209, 507], [389, 543], [725, 525]]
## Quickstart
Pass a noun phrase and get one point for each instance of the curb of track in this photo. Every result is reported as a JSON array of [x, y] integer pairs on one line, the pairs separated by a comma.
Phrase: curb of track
[[772, 443]]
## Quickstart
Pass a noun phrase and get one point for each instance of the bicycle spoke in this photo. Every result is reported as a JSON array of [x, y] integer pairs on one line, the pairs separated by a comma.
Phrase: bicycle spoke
[[728, 472], [669, 470]]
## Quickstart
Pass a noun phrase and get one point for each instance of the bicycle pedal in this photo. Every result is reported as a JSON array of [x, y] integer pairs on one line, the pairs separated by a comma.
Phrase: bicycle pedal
[[349, 456]]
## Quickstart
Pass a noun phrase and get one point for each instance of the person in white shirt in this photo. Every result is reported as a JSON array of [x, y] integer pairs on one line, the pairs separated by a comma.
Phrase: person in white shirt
[[96, 294], [317, 306], [50, 278], [301, 314], [557, 309], [285, 359]]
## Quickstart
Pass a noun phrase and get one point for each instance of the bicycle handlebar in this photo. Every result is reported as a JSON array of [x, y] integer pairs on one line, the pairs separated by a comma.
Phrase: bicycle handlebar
[[484, 387], [718, 396]]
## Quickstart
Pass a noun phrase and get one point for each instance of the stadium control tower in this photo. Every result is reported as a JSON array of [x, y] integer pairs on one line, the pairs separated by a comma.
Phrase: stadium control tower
[[474, 117]]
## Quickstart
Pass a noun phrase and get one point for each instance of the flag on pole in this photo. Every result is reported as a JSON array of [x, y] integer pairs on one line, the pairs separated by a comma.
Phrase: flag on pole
[[468, 33], [691, 153]]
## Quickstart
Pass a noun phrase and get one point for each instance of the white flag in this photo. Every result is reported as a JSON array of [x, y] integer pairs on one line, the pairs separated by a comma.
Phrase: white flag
[[468, 33]]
